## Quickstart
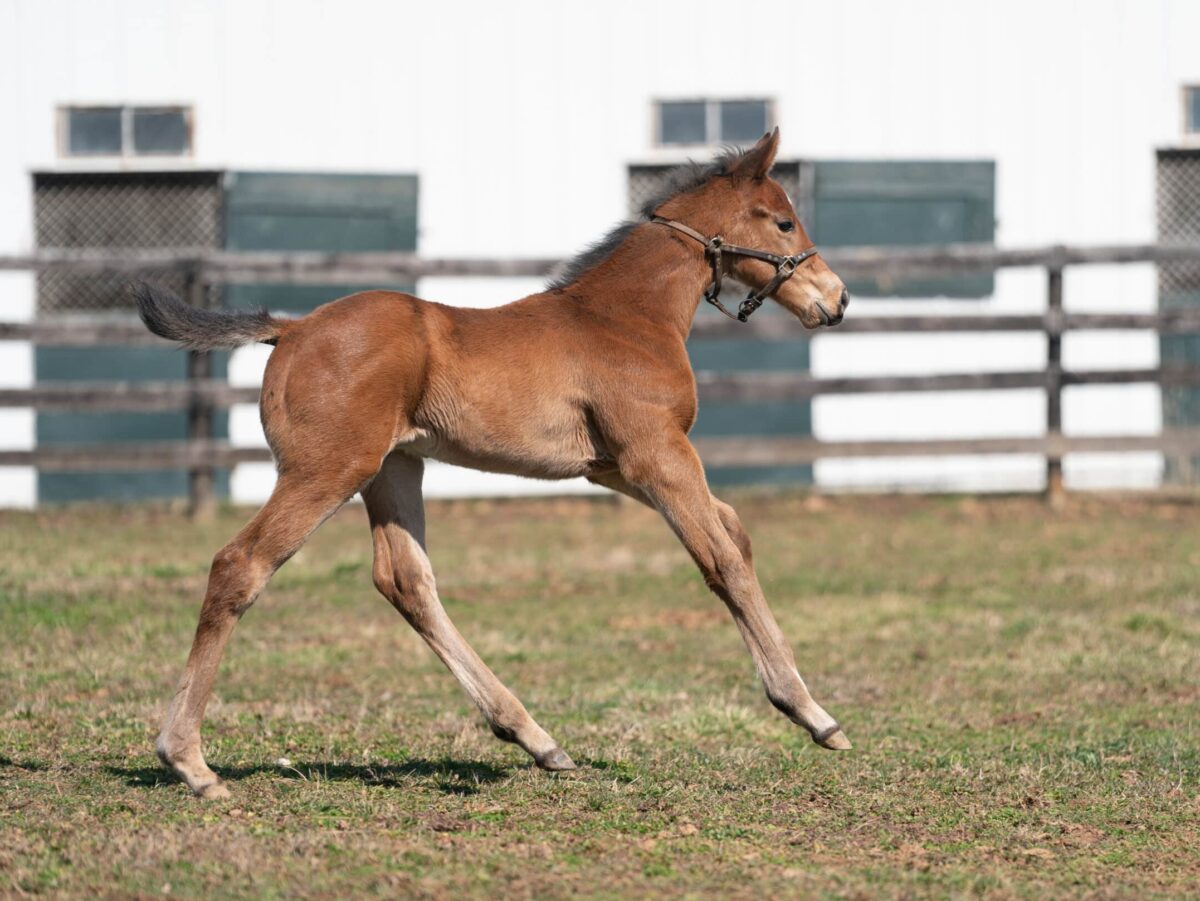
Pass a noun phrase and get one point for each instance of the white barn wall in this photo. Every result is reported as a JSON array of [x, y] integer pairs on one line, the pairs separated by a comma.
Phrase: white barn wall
[[520, 119]]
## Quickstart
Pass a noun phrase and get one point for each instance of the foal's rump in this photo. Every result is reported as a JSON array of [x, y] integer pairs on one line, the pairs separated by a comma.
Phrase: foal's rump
[[340, 386]]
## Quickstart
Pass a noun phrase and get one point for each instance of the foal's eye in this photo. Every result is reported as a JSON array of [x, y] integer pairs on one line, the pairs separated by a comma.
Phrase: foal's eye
[[786, 225]]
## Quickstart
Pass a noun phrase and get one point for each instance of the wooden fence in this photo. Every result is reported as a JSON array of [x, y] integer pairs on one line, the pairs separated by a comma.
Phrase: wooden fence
[[200, 394]]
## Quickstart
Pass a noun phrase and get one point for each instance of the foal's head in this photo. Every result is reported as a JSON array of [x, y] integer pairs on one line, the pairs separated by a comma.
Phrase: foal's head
[[741, 202]]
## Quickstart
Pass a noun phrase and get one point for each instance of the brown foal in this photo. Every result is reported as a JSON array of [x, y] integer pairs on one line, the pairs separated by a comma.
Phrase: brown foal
[[590, 378]]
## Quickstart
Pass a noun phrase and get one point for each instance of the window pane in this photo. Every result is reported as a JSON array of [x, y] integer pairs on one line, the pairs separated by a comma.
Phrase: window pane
[[94, 131], [1193, 106], [743, 120], [682, 123], [159, 132]]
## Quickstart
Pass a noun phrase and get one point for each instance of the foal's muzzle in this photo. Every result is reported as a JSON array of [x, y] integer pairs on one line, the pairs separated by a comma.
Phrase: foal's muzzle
[[834, 318]]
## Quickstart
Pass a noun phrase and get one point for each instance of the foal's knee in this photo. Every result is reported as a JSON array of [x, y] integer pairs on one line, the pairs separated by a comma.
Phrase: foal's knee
[[724, 569], [234, 580], [733, 526]]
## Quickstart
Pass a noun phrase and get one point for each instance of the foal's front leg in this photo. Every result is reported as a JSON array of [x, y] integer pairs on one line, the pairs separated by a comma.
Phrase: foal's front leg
[[670, 475]]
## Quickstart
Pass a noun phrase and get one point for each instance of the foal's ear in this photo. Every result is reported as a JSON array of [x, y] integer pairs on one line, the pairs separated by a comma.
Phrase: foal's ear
[[757, 161]]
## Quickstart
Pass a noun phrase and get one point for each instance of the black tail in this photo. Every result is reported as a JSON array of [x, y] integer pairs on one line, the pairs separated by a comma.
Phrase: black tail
[[169, 317]]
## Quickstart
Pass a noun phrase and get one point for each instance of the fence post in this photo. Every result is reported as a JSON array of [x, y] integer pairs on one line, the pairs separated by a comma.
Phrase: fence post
[[1055, 493], [202, 502]]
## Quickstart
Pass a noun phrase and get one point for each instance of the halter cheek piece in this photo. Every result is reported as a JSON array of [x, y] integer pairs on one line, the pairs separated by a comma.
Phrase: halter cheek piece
[[715, 246]]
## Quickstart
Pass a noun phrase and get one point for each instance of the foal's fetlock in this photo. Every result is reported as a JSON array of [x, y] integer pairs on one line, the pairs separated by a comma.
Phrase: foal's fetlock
[[504, 733]]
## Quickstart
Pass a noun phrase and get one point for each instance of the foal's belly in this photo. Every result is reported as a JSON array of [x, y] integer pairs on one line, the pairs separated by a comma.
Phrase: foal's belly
[[521, 418], [537, 457]]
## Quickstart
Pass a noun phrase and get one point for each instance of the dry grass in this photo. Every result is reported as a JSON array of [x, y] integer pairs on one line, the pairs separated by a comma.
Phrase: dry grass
[[1022, 689]]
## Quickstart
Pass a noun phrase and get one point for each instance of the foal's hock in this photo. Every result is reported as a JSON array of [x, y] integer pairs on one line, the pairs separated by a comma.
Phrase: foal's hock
[[360, 392]]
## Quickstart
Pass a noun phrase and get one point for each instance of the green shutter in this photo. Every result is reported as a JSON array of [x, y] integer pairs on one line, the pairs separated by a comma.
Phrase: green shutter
[[134, 364], [312, 211], [881, 203]]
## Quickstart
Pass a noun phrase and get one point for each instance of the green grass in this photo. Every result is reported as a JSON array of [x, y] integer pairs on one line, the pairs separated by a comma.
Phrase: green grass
[[1022, 687]]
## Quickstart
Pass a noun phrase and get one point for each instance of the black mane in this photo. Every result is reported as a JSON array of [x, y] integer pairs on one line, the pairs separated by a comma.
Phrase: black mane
[[688, 177]]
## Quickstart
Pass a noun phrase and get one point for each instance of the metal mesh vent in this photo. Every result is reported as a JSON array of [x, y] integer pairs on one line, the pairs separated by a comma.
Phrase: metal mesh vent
[[1178, 191], [119, 210], [1179, 222]]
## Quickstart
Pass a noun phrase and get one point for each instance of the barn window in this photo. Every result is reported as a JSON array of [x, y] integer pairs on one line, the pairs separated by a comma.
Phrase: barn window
[[125, 131], [94, 132], [690, 122], [1191, 110]]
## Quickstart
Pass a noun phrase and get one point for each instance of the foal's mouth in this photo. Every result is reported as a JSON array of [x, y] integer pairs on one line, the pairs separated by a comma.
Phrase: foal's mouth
[[826, 319]]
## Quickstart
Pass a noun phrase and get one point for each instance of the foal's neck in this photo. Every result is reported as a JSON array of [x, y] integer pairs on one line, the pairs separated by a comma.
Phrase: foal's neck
[[653, 275]]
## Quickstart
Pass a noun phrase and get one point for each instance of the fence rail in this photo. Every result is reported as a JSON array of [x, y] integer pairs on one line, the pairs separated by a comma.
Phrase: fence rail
[[765, 451], [157, 397], [200, 394], [129, 332], [282, 267]]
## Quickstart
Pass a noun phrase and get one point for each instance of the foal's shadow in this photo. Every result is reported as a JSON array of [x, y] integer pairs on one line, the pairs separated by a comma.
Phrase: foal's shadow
[[451, 777]]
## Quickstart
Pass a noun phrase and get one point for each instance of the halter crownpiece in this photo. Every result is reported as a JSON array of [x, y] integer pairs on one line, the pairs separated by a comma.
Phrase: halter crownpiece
[[714, 247]]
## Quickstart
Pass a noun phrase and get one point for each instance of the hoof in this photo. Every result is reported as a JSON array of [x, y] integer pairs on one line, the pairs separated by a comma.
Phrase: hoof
[[214, 791], [834, 739], [555, 761]]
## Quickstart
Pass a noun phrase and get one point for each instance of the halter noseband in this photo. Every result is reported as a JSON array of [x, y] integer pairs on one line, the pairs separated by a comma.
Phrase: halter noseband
[[715, 246]]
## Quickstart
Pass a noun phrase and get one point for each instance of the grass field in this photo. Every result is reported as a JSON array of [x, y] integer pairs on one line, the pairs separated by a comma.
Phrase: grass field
[[1022, 688]]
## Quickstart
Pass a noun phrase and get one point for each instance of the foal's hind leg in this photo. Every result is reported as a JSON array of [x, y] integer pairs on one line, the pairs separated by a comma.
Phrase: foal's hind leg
[[239, 572], [404, 576]]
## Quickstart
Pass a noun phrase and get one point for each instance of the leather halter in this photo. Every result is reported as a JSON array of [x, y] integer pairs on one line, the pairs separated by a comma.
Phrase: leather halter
[[714, 247]]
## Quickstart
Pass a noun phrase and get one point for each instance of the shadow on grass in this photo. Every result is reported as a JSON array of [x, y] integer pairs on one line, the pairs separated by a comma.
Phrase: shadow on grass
[[32, 766], [452, 777]]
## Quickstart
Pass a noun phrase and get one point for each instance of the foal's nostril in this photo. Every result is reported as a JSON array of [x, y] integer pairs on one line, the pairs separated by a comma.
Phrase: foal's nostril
[[845, 299]]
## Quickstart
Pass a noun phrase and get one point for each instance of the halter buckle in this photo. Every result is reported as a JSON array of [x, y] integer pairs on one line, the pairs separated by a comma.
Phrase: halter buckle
[[748, 306]]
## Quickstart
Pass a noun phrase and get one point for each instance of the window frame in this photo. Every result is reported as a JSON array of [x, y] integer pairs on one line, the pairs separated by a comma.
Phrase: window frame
[[128, 151], [712, 119]]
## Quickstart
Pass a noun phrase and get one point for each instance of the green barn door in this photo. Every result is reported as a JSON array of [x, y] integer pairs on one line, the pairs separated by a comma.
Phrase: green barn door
[[316, 211], [742, 419]]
